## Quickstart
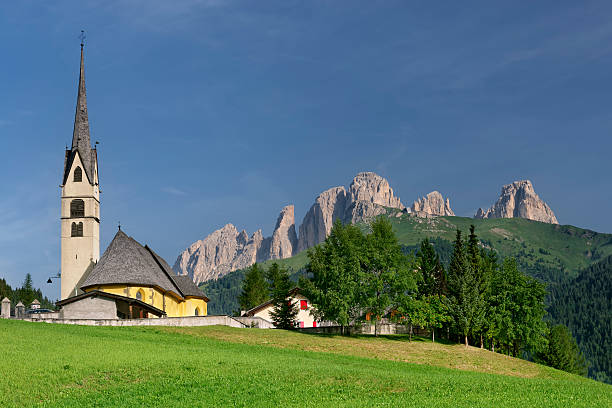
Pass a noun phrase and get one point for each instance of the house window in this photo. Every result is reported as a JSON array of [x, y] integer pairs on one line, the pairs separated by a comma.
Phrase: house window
[[77, 208], [78, 175], [314, 324], [303, 304], [76, 229], [301, 325], [139, 295], [197, 312]]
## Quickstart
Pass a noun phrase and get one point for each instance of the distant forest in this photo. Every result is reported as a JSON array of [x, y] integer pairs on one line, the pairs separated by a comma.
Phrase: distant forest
[[24, 294], [584, 305]]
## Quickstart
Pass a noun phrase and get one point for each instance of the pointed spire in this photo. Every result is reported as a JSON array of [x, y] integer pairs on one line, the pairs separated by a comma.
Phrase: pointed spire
[[80, 135]]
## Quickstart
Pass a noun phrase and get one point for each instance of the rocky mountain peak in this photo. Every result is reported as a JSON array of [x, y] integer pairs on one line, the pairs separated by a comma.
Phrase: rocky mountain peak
[[370, 187], [519, 200], [432, 204], [284, 239]]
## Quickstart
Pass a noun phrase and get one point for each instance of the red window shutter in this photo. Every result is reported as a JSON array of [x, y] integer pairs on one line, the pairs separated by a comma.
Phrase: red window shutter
[[314, 324], [303, 304], [301, 325]]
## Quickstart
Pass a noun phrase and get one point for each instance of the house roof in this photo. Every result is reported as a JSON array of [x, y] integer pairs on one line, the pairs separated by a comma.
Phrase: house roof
[[187, 286], [259, 308], [127, 262], [99, 293]]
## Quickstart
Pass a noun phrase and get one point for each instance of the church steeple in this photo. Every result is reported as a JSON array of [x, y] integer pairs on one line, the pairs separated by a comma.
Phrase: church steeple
[[80, 214], [81, 140], [80, 135]]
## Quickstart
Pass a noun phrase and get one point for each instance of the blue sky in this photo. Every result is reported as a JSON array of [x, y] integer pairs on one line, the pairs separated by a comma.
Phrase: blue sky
[[210, 112]]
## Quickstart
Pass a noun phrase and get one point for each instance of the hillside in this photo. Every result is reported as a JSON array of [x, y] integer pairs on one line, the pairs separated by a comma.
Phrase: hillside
[[219, 366], [584, 305], [552, 253]]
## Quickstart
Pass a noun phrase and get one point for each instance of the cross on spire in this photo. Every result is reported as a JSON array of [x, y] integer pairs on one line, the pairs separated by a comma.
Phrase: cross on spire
[[82, 37]]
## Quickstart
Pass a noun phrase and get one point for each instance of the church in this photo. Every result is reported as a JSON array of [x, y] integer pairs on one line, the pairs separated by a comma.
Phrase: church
[[129, 280]]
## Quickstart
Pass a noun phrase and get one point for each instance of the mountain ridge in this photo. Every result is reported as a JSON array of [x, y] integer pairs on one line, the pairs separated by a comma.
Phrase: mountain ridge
[[367, 196]]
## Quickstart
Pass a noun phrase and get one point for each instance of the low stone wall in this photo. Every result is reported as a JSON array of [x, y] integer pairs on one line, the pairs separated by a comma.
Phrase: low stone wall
[[191, 321], [385, 328], [255, 322]]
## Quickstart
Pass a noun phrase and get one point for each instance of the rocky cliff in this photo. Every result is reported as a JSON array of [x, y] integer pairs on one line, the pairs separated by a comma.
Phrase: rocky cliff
[[432, 204], [223, 251], [283, 243], [226, 249], [519, 200], [367, 197]]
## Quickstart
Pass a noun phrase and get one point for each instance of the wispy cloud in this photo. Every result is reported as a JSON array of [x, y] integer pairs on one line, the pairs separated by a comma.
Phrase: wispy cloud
[[174, 191]]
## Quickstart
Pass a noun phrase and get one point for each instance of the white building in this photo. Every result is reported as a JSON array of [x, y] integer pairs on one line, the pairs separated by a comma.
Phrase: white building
[[304, 318]]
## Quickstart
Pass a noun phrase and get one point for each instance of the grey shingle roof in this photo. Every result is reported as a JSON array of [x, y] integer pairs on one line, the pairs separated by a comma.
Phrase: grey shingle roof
[[127, 262], [187, 286]]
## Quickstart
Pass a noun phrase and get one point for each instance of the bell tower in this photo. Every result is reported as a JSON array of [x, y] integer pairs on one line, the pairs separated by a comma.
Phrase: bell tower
[[80, 213]]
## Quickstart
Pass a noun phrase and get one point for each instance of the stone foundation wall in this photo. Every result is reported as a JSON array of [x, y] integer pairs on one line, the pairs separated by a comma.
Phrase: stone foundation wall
[[191, 321]]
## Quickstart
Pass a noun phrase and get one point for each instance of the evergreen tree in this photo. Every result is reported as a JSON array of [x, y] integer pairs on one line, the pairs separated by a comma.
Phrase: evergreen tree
[[335, 266], [254, 288], [562, 352], [433, 280], [477, 267], [26, 293], [464, 299], [284, 311]]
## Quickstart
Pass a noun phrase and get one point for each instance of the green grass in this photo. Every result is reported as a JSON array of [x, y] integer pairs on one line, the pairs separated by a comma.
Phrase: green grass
[[74, 366]]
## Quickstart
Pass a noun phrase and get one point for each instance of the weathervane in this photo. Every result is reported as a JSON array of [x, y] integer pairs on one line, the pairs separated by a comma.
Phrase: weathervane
[[82, 38]]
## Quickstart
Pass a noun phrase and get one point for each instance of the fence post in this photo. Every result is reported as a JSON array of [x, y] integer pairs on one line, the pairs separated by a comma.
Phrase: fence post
[[20, 311], [6, 309]]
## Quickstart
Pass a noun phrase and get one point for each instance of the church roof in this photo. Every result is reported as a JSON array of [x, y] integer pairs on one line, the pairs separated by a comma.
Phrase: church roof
[[127, 262], [81, 141]]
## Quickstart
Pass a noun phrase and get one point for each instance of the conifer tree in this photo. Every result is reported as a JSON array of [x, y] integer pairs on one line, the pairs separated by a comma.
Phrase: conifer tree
[[479, 272], [254, 288], [464, 297], [284, 311], [562, 352], [433, 280]]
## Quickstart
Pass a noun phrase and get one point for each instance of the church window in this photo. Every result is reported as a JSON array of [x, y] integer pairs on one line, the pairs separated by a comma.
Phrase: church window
[[139, 295], [76, 230], [77, 208], [78, 175], [197, 311]]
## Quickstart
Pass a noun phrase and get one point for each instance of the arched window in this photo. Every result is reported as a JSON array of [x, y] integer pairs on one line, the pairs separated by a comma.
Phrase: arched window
[[78, 175], [197, 311], [140, 295], [76, 229], [77, 208]]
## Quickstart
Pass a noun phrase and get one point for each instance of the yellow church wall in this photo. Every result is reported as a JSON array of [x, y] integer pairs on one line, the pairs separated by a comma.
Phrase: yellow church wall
[[173, 306]]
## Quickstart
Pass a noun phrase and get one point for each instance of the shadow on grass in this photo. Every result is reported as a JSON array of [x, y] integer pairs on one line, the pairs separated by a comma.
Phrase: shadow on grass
[[393, 337]]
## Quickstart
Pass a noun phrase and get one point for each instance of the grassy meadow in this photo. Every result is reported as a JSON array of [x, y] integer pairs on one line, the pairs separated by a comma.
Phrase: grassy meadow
[[74, 366]]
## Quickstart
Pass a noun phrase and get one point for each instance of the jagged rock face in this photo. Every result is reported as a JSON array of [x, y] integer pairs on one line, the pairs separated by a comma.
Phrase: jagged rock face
[[284, 239], [432, 204], [222, 251], [366, 198], [519, 200], [329, 206], [372, 188], [227, 250]]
